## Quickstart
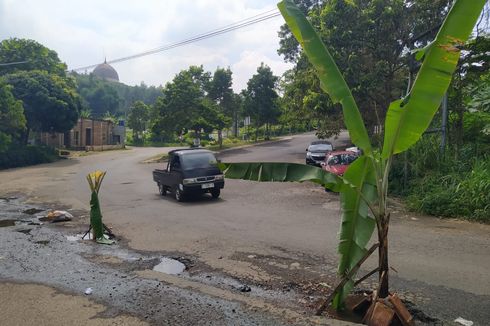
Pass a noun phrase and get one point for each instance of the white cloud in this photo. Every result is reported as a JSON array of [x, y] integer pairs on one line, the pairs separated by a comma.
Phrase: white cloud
[[82, 32]]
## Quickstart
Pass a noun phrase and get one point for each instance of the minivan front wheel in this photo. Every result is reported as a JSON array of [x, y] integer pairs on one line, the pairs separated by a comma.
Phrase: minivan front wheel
[[215, 193], [179, 195]]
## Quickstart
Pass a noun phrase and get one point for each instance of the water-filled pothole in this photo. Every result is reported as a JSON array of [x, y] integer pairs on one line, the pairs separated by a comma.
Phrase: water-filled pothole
[[5, 223], [169, 266]]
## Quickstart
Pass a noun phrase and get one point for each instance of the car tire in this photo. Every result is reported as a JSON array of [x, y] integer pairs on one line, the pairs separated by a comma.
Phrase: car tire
[[178, 194], [162, 190], [215, 193]]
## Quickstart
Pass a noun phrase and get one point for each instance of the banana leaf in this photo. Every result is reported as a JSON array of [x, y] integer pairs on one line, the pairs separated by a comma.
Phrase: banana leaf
[[332, 81], [406, 120], [281, 172], [357, 225], [96, 216]]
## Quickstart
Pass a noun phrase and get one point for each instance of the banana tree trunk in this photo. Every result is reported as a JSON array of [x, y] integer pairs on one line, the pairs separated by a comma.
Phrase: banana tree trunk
[[383, 257]]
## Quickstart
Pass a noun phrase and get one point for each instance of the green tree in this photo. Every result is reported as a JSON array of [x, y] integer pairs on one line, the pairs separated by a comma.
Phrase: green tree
[[221, 93], [370, 48], [51, 103], [305, 105], [260, 98], [181, 107], [469, 88], [138, 117], [12, 119], [101, 98], [88, 85], [36, 55]]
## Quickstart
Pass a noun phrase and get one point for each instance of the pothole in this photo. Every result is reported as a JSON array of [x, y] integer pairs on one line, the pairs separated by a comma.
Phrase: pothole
[[5, 223], [32, 211], [169, 266]]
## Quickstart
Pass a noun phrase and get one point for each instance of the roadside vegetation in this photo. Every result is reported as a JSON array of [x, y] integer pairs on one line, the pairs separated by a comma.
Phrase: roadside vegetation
[[364, 187]]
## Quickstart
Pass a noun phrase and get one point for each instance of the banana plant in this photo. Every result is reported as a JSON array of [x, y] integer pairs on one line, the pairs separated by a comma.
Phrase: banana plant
[[94, 180], [364, 187]]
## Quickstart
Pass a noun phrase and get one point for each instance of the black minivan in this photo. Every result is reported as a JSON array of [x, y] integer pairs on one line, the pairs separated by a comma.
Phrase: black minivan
[[190, 171]]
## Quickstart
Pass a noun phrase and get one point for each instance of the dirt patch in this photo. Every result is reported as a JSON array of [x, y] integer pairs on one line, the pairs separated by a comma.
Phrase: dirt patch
[[31, 304]]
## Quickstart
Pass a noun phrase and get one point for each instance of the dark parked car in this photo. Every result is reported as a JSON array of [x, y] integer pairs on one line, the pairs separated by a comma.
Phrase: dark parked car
[[316, 152], [337, 162], [190, 171]]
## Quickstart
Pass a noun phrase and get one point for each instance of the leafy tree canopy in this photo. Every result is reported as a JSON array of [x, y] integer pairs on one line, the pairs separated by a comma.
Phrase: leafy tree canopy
[[101, 96], [38, 57], [260, 97], [138, 118], [12, 120], [51, 103], [181, 102], [370, 49]]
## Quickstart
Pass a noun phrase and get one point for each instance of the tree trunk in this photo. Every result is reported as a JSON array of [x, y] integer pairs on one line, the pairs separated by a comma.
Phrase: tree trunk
[[220, 138], [25, 136], [235, 124], [256, 132], [383, 258]]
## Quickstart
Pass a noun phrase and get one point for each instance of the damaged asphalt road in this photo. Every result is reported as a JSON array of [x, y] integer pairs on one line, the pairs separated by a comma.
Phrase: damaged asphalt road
[[278, 239], [124, 281]]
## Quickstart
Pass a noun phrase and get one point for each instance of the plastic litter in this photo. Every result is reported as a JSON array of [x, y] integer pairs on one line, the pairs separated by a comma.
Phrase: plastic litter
[[57, 216], [88, 291], [463, 321]]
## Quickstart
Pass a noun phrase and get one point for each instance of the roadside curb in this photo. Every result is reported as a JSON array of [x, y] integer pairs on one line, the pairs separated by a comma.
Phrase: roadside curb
[[226, 150], [281, 139]]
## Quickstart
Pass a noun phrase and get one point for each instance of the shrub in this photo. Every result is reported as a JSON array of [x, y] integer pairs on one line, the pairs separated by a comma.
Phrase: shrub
[[457, 194], [17, 156]]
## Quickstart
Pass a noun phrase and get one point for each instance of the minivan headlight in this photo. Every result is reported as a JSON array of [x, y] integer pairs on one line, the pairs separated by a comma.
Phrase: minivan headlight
[[189, 180], [218, 177]]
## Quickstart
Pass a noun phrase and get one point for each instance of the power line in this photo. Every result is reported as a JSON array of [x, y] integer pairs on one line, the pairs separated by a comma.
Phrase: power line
[[13, 63], [228, 28]]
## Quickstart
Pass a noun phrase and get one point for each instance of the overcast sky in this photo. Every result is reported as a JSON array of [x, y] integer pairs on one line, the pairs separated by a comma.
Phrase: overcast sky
[[83, 32]]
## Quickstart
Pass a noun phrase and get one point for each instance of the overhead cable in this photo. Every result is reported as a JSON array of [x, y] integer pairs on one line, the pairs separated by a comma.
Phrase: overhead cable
[[228, 28]]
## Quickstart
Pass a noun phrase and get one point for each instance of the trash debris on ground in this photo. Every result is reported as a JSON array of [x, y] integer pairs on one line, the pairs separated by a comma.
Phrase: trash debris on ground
[[105, 240], [244, 288], [169, 266], [389, 310], [57, 216], [88, 291], [463, 321]]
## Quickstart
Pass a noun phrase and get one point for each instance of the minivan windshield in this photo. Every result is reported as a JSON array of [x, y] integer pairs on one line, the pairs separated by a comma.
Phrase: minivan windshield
[[320, 148], [198, 160]]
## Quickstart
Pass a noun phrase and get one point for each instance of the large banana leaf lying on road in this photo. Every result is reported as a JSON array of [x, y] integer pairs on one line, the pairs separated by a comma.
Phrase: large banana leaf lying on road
[[281, 172]]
